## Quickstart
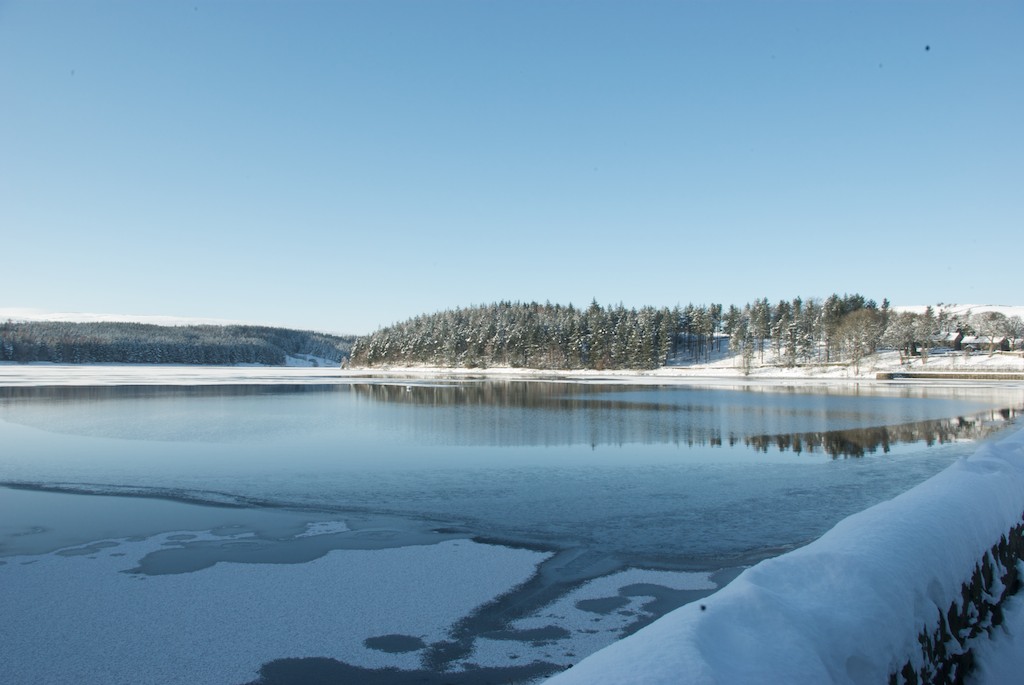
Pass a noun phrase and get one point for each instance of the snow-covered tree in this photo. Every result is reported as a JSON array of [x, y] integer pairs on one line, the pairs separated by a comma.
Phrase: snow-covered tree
[[902, 333], [1014, 330], [859, 334], [991, 325]]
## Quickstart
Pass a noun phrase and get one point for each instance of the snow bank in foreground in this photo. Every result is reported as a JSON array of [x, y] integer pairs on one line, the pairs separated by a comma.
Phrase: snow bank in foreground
[[1001, 660], [848, 608]]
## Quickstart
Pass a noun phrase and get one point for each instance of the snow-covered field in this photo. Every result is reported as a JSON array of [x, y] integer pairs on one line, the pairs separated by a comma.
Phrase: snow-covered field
[[965, 310], [847, 608]]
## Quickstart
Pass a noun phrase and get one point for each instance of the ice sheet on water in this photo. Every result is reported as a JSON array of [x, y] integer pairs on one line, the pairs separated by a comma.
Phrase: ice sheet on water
[[220, 624], [587, 618], [323, 528]]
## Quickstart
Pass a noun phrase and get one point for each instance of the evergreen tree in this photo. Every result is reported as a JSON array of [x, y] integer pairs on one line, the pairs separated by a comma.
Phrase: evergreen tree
[[761, 324]]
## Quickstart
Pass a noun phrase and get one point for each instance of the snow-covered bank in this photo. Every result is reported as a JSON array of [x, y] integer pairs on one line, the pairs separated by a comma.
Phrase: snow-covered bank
[[855, 605], [25, 375], [724, 368], [1000, 660]]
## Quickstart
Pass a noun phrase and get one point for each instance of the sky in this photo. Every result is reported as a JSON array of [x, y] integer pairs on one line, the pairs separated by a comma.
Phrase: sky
[[341, 166]]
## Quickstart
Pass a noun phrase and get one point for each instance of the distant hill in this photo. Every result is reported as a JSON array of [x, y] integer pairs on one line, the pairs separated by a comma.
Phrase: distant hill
[[965, 311], [107, 342], [30, 314]]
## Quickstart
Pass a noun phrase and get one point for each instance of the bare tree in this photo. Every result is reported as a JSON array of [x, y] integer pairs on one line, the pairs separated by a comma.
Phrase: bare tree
[[991, 325], [859, 333], [1014, 330], [901, 333]]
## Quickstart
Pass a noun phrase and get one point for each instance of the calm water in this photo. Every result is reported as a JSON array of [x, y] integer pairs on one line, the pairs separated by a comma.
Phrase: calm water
[[674, 477]]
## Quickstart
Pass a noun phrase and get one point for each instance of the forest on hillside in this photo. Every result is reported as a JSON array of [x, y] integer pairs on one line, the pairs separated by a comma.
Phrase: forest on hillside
[[839, 329], [137, 343]]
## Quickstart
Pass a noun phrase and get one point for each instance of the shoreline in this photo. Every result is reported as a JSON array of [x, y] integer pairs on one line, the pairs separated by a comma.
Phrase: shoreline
[[884, 370]]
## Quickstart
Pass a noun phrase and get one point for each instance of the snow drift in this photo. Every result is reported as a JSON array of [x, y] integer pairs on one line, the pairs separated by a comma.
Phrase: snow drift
[[896, 593]]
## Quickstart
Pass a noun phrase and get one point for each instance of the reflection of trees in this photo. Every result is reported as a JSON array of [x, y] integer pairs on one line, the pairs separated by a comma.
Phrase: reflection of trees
[[84, 393], [493, 394], [585, 414], [860, 441], [515, 413]]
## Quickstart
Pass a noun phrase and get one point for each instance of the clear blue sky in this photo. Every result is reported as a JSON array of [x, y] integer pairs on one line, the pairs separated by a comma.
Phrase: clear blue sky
[[344, 165]]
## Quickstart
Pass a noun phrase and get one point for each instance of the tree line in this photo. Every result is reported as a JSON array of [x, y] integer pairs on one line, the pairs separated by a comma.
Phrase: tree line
[[137, 343], [840, 329], [529, 335]]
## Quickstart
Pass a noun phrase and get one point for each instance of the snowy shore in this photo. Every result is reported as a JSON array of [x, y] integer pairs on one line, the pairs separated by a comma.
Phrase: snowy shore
[[728, 369], [28, 375], [724, 368]]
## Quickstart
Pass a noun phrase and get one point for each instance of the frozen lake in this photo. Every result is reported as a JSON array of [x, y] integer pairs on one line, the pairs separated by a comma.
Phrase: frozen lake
[[543, 519]]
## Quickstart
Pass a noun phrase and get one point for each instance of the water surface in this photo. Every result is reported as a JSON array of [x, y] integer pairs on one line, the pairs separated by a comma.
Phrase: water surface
[[221, 511], [671, 476]]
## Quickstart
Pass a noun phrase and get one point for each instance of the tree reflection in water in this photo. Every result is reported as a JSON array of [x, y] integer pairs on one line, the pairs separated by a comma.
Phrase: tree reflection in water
[[837, 421], [861, 441], [617, 415]]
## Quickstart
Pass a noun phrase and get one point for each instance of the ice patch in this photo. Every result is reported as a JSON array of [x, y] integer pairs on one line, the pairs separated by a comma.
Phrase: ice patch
[[584, 620], [71, 614], [324, 528]]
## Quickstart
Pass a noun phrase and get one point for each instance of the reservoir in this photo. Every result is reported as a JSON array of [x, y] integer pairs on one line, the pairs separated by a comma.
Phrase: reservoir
[[555, 516]]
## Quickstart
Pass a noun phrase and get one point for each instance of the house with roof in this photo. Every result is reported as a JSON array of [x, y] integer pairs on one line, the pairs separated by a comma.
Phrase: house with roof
[[984, 343]]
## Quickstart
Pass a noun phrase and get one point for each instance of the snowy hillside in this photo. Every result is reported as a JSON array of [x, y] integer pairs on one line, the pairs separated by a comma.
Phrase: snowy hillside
[[26, 314], [966, 310], [106, 342], [930, 567]]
